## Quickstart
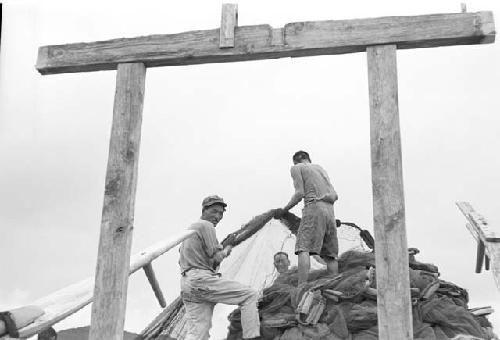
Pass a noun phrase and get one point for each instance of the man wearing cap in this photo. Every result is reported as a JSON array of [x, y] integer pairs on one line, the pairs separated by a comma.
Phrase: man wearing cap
[[202, 286], [317, 234]]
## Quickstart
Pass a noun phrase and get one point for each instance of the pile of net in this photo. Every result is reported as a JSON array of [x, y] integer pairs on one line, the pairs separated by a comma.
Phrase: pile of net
[[345, 306]]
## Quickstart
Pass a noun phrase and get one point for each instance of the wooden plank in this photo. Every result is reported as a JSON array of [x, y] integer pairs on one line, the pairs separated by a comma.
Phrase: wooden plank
[[492, 249], [479, 256], [487, 232], [391, 250], [150, 274], [113, 261], [229, 21], [67, 301], [300, 39]]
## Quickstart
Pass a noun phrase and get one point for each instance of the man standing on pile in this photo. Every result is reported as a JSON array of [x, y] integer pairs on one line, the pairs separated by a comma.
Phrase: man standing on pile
[[202, 286], [317, 234]]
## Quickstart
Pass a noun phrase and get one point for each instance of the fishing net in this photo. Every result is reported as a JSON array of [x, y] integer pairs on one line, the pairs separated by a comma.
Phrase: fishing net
[[325, 307], [344, 306], [251, 263]]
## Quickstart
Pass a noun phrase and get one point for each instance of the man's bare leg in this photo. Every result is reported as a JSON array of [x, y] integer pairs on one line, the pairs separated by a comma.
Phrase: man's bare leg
[[304, 266], [332, 265]]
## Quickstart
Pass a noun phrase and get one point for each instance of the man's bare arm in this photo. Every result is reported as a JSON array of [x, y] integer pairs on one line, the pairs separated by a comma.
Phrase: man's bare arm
[[222, 254], [298, 183]]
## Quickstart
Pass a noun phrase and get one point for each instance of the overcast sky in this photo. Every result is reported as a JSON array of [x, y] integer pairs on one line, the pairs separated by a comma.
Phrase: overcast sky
[[231, 129]]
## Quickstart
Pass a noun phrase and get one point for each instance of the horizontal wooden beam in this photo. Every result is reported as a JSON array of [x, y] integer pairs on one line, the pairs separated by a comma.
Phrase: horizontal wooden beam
[[491, 248], [67, 301], [299, 39]]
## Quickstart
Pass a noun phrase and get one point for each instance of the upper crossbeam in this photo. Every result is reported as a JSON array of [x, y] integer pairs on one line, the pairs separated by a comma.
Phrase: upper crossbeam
[[297, 39]]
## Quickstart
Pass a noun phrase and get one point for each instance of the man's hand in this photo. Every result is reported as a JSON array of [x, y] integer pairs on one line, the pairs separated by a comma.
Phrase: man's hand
[[228, 250], [222, 254], [230, 240]]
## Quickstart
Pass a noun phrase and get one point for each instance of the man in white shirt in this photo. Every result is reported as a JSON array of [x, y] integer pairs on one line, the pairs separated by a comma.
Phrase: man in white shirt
[[202, 286]]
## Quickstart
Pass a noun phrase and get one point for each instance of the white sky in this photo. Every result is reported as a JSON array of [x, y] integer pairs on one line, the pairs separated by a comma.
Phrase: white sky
[[231, 129]]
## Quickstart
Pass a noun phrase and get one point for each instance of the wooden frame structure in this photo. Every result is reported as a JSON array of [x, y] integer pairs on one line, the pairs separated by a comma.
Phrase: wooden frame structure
[[379, 37]]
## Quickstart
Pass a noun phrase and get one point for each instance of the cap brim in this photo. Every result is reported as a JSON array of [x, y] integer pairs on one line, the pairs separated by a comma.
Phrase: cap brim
[[214, 203]]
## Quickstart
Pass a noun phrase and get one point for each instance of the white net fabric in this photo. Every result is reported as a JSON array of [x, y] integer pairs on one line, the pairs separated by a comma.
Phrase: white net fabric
[[251, 263]]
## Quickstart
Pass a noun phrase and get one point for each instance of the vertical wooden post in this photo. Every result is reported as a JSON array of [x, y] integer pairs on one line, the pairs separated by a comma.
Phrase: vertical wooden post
[[111, 280], [229, 20], [391, 250]]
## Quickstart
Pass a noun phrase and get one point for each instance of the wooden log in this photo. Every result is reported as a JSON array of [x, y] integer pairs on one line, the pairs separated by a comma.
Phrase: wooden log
[[113, 262], [18, 318], [150, 274], [480, 256], [59, 305], [146, 256], [391, 250], [298, 39], [229, 21], [67, 301]]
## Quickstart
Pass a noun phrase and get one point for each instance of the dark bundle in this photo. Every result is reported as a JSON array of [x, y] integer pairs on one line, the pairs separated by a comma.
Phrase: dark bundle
[[249, 229], [345, 306], [292, 222]]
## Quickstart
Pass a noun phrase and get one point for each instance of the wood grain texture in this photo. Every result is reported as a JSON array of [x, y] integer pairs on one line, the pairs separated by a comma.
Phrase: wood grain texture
[[299, 39], [150, 274], [228, 22], [391, 250], [113, 260], [487, 232], [492, 248]]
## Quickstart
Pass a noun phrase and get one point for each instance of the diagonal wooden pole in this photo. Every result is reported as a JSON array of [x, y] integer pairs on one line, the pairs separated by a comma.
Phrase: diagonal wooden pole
[[110, 291], [391, 250]]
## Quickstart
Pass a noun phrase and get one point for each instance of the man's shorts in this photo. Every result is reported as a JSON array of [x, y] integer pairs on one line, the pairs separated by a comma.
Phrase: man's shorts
[[318, 231]]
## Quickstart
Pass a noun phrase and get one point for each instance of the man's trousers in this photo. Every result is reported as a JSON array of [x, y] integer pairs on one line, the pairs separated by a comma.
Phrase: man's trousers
[[202, 289]]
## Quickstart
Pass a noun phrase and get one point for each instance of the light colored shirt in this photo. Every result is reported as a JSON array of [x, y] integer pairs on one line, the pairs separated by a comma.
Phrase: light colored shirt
[[198, 250], [313, 181]]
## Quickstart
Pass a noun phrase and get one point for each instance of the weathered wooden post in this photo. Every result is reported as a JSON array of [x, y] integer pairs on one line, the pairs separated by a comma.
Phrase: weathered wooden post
[[391, 253], [113, 260]]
